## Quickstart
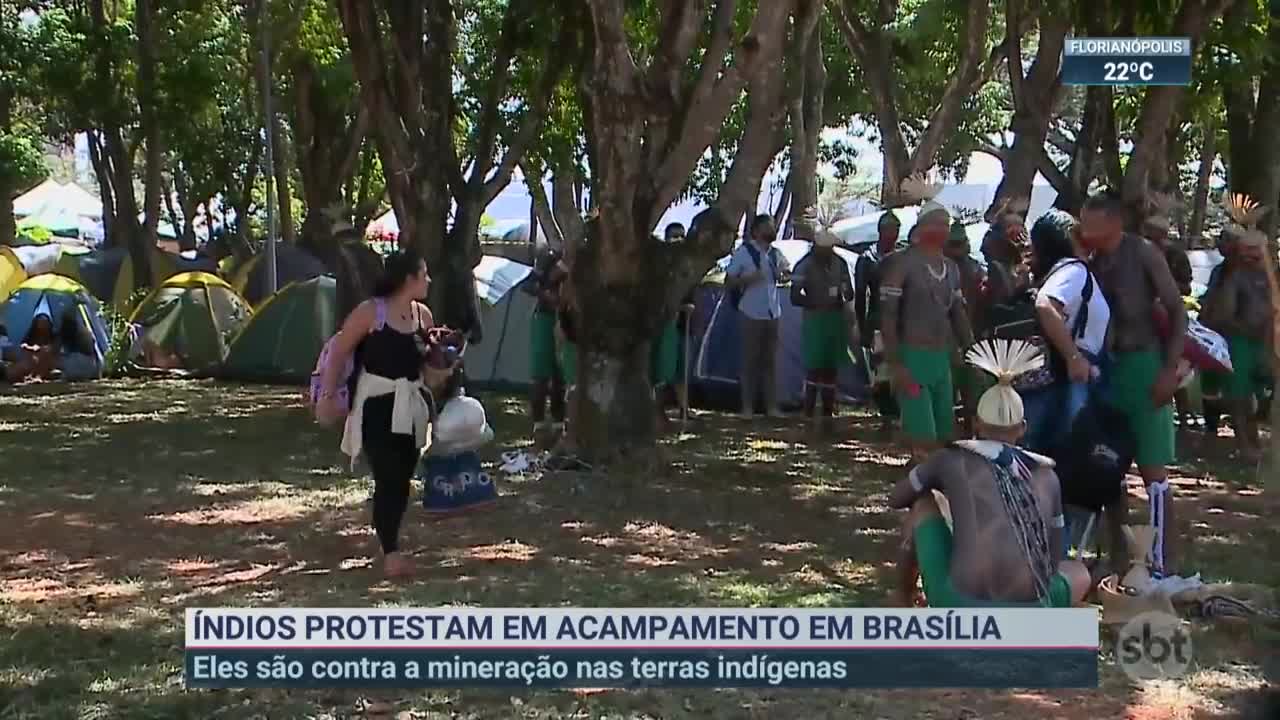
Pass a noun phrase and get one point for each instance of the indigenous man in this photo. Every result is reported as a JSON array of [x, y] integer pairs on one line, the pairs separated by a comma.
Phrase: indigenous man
[[923, 318], [972, 276], [1241, 311], [1211, 383], [549, 272], [665, 356], [821, 285], [866, 308], [1004, 248], [1143, 368], [1001, 540], [1156, 229]]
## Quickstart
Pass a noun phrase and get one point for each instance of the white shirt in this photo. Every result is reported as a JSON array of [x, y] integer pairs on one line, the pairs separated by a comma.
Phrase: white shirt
[[761, 300], [1065, 283]]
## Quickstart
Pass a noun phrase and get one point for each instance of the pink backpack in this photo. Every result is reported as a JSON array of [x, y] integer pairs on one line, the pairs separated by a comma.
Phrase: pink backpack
[[343, 391]]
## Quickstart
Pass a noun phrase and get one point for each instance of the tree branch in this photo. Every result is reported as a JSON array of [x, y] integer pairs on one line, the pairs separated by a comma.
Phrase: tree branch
[[499, 80], [959, 87], [555, 64], [705, 119]]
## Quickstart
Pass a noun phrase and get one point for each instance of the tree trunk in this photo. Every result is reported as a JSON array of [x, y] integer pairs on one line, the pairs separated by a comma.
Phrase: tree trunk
[[8, 224], [806, 124], [282, 158], [781, 209], [1083, 167], [1034, 101], [1204, 173], [150, 126], [1147, 160], [97, 158], [624, 286]]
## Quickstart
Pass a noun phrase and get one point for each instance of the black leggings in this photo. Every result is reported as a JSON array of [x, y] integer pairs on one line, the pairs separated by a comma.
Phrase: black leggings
[[393, 459]]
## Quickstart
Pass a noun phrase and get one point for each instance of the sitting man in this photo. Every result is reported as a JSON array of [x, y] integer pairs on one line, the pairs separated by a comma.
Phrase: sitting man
[[1006, 508]]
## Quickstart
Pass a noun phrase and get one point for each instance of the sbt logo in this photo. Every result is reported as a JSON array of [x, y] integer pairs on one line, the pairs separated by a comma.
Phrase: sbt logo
[[1154, 646]]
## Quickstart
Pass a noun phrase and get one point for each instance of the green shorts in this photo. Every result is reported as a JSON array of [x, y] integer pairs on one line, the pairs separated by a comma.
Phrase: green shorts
[[933, 553], [1133, 374], [542, 346], [826, 340], [569, 363], [664, 358], [1244, 381], [930, 415]]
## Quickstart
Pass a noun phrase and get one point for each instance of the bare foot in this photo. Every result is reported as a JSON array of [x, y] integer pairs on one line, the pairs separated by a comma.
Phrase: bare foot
[[395, 565]]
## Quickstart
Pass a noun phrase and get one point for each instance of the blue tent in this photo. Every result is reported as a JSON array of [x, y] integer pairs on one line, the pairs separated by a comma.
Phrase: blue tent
[[717, 343], [65, 298]]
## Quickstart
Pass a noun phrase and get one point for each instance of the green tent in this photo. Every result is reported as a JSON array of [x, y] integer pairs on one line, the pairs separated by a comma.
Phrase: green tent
[[283, 340], [192, 317]]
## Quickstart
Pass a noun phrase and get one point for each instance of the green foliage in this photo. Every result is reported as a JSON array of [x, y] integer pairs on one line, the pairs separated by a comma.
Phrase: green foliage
[[22, 161], [120, 334], [35, 235]]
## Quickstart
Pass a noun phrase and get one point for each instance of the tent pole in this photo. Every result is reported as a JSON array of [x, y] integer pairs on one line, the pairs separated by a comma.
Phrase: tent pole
[[268, 125]]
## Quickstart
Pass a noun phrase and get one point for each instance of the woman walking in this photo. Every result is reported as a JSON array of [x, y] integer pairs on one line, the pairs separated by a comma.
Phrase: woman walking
[[1074, 316], [389, 417]]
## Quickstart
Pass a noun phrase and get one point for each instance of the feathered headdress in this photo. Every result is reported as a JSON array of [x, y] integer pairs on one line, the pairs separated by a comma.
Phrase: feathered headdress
[[1006, 360], [814, 220], [917, 189], [1245, 214], [1158, 207]]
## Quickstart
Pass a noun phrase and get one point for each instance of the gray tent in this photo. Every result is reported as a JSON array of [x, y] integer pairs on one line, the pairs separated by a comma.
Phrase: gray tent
[[502, 356]]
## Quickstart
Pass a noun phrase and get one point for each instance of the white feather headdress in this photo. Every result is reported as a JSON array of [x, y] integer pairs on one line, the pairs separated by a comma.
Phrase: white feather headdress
[[918, 189], [1006, 360], [1246, 213]]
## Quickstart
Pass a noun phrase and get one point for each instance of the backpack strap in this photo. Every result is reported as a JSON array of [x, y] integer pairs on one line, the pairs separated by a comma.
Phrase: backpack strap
[[753, 252], [380, 313]]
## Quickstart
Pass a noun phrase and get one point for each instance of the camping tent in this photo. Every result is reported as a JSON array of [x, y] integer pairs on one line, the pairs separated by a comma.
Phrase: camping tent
[[51, 196], [293, 264], [717, 340], [502, 356], [864, 229], [12, 273], [283, 339], [193, 316], [66, 298]]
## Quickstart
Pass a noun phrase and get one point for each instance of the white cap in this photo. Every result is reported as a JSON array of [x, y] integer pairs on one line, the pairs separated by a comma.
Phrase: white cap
[[826, 238], [1001, 406], [931, 207]]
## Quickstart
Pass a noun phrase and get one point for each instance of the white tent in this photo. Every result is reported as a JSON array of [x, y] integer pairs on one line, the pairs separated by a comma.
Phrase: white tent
[[864, 228], [51, 197], [502, 356], [386, 223]]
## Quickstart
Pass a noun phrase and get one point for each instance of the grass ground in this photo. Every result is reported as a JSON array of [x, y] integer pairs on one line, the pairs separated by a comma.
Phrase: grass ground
[[122, 503]]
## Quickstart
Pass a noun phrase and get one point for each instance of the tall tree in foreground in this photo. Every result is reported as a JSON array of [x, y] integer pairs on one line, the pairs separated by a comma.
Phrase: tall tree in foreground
[[456, 91], [654, 103]]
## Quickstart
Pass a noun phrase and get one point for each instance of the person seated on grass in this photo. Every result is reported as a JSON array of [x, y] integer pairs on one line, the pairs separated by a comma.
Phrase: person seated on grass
[[36, 357], [78, 359], [999, 545]]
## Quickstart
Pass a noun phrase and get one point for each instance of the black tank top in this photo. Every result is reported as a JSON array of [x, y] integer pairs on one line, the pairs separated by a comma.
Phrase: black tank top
[[393, 355]]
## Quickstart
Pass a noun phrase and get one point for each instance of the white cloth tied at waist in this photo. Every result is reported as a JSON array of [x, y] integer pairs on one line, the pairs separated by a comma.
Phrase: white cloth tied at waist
[[410, 413]]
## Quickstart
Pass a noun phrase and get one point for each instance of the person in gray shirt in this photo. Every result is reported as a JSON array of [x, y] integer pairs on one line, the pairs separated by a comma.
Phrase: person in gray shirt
[[756, 269]]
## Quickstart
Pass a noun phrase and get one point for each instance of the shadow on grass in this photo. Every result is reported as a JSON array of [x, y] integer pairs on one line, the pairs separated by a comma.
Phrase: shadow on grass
[[124, 503]]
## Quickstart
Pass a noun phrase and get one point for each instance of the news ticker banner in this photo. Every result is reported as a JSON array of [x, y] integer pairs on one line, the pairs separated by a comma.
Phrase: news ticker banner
[[637, 647], [1127, 61]]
